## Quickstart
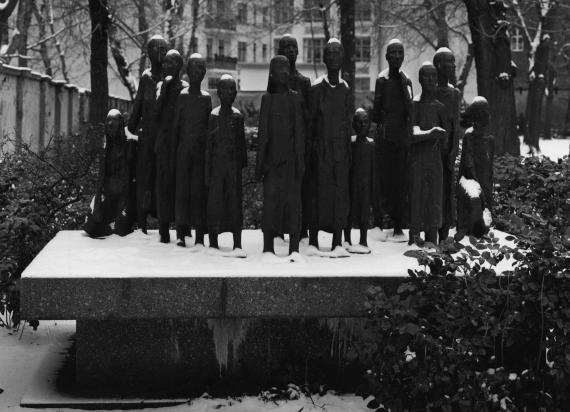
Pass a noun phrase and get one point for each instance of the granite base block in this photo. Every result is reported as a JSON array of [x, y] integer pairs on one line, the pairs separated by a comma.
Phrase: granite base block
[[215, 355]]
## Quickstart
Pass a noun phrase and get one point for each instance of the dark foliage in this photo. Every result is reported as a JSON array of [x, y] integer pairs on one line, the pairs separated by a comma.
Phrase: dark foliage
[[40, 194], [457, 336]]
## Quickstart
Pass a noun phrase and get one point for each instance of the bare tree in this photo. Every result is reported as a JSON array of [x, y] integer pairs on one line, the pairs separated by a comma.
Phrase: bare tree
[[539, 43], [7, 7], [98, 62], [347, 38], [492, 53]]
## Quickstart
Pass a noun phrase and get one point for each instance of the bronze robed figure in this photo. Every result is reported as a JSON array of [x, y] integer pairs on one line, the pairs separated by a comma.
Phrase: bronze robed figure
[[391, 112], [226, 156], [427, 144], [167, 95], [111, 212], [142, 123], [281, 158], [189, 135], [330, 131]]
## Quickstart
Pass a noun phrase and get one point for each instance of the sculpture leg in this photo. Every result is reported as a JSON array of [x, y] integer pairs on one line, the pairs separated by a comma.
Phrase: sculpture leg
[[314, 238], [141, 220], [431, 235], [181, 233], [163, 231], [413, 236], [337, 239], [363, 235], [347, 238], [237, 239], [444, 232], [200, 232], [294, 242], [268, 241], [214, 240]]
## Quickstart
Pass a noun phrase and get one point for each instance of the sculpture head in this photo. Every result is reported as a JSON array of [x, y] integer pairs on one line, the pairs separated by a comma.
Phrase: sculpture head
[[333, 54], [114, 124], [395, 55], [288, 47], [196, 68], [478, 112], [361, 122], [428, 77], [172, 63], [156, 49], [227, 90], [444, 62], [279, 70]]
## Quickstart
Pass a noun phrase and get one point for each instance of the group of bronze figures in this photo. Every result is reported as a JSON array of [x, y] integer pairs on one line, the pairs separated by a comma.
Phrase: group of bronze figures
[[185, 167]]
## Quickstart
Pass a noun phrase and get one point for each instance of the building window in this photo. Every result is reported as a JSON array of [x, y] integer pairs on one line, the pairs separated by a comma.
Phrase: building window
[[283, 10], [254, 14], [221, 48], [363, 10], [362, 52], [221, 7], [517, 41], [212, 82], [254, 52], [264, 52], [313, 50], [209, 47], [242, 13], [242, 51], [362, 83], [312, 10], [265, 16]]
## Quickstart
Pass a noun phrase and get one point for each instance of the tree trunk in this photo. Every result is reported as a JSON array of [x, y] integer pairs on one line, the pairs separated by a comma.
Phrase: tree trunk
[[143, 29], [347, 13], [193, 46], [121, 62], [494, 73], [462, 81], [5, 13], [40, 15], [325, 17], [536, 88], [23, 24], [98, 61], [438, 16]]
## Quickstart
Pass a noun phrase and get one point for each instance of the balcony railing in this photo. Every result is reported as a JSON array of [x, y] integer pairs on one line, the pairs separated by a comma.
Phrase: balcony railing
[[221, 62], [220, 21]]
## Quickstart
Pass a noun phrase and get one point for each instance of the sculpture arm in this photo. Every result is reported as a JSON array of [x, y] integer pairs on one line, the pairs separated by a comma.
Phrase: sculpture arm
[[175, 134], [377, 116], [241, 142], [136, 112], [299, 119], [262, 137], [210, 142]]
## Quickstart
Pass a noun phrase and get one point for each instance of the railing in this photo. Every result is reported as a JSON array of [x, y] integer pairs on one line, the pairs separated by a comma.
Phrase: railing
[[221, 62]]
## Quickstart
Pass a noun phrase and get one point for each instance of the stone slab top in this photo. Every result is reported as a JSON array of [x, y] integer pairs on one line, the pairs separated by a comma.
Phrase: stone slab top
[[72, 254]]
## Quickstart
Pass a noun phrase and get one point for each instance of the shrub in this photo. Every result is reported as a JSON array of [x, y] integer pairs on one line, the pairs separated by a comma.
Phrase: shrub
[[457, 336], [40, 194]]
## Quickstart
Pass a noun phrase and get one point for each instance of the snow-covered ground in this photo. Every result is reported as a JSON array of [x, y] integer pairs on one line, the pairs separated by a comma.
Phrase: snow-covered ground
[[554, 148], [20, 358]]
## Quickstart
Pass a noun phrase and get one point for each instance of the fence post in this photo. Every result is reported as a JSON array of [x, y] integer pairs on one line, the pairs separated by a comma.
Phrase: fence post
[[22, 73]]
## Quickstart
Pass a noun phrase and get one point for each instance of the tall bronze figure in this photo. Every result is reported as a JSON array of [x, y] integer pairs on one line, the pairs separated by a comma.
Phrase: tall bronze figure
[[444, 62], [331, 118], [111, 212], [167, 94], [142, 123], [361, 182], [391, 112], [226, 156], [427, 143], [281, 158], [189, 132], [288, 47], [475, 191]]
